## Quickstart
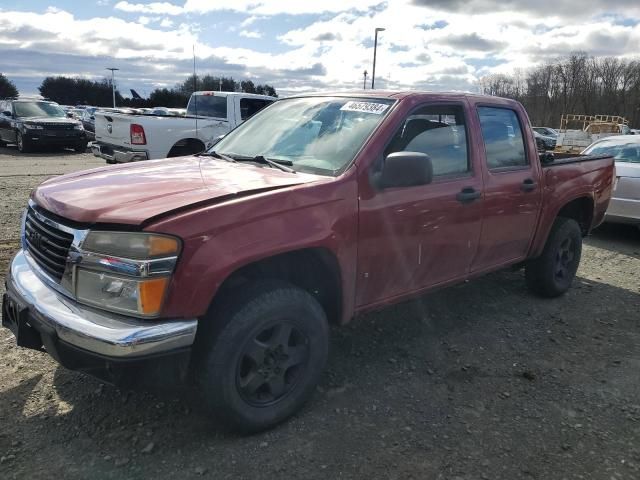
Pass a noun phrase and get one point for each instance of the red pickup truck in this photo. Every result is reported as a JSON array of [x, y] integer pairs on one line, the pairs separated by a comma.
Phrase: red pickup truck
[[227, 268]]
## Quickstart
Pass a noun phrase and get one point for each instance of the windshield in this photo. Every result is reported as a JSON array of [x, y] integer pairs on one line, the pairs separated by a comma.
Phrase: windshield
[[207, 105], [622, 152], [315, 134], [38, 109]]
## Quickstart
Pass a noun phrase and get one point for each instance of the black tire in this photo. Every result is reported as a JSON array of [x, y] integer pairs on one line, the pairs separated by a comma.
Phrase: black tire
[[23, 145], [80, 148], [552, 273], [261, 355]]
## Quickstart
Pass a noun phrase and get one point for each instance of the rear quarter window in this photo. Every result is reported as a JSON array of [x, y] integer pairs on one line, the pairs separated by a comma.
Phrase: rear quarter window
[[249, 106], [208, 106]]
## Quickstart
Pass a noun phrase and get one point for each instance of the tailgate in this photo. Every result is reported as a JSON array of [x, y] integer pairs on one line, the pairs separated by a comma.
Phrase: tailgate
[[113, 128]]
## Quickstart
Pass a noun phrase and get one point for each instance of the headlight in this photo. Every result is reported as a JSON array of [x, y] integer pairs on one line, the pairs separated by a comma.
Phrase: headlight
[[78, 126], [33, 127], [131, 245], [121, 294], [126, 272]]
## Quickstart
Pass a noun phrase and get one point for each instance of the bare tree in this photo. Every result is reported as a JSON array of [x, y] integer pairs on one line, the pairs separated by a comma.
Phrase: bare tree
[[576, 83]]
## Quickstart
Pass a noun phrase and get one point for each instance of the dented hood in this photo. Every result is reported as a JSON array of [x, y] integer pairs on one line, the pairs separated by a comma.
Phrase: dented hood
[[134, 192]]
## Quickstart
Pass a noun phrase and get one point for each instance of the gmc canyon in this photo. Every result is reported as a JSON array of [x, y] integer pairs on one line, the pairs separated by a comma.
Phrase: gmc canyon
[[226, 269]]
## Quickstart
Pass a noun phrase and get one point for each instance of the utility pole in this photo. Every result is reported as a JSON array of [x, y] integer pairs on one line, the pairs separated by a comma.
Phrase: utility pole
[[375, 49], [113, 84], [364, 83]]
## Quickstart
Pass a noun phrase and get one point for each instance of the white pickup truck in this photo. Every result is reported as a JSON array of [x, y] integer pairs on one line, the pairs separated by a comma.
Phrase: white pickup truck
[[124, 138]]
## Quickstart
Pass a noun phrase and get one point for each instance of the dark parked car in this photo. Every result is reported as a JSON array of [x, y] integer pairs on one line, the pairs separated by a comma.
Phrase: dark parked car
[[33, 122], [89, 122], [544, 142]]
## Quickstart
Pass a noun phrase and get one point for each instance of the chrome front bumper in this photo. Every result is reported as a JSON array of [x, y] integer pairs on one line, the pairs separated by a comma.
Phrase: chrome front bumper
[[115, 154], [90, 329]]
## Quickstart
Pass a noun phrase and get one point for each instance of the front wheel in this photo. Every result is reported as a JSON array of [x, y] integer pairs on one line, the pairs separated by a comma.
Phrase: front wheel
[[552, 273], [23, 145], [262, 354]]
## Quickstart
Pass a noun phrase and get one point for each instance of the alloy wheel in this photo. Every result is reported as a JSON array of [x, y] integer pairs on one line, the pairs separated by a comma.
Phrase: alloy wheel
[[271, 364]]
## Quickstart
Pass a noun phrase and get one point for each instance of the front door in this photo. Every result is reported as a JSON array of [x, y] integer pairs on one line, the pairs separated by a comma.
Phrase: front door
[[416, 237], [5, 122], [512, 193]]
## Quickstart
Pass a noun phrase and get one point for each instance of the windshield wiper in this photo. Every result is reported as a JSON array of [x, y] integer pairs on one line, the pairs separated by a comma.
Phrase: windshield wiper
[[214, 154], [276, 163]]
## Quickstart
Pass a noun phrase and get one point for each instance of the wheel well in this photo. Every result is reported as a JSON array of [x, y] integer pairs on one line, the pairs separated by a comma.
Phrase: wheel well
[[315, 270], [186, 146], [581, 210]]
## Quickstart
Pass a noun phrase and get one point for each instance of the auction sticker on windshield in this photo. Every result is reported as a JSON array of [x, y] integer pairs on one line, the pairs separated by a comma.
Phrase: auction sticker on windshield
[[367, 107]]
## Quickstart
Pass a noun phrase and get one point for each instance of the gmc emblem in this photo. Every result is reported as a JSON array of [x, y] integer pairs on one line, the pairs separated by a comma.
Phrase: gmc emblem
[[36, 240]]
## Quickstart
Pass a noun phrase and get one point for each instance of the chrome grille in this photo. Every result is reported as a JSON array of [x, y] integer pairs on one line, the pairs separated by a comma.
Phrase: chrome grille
[[47, 244]]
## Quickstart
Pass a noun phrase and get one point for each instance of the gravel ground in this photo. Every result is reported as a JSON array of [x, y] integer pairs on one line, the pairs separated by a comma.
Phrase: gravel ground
[[480, 381]]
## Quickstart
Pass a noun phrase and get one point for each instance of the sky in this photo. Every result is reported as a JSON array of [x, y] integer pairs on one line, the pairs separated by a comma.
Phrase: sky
[[304, 45]]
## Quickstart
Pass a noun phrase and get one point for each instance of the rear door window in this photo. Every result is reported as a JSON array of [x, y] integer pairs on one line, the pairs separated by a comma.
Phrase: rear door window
[[249, 106], [503, 139], [208, 106]]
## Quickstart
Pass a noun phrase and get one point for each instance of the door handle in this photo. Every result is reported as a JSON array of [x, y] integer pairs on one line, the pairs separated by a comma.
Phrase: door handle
[[467, 195], [529, 185]]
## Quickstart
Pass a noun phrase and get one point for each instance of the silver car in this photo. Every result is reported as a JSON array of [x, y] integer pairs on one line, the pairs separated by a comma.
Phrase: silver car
[[625, 201]]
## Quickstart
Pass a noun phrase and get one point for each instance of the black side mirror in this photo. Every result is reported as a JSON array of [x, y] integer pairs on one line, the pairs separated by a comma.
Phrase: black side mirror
[[7, 113], [406, 169], [547, 158]]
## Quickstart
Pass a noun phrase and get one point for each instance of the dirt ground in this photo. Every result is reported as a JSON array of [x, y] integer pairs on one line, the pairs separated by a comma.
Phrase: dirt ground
[[480, 381]]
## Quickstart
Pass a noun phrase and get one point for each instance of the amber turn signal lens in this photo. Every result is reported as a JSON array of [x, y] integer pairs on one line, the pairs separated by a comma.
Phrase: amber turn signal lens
[[152, 294], [161, 245]]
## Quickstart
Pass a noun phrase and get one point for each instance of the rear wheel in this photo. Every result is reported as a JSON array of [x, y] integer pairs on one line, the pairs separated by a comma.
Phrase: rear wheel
[[552, 273], [81, 148], [262, 354], [186, 147], [23, 144]]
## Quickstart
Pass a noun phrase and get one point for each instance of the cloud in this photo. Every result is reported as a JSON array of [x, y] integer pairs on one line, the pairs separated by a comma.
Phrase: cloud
[[547, 7], [427, 44], [157, 8], [275, 7], [250, 34], [471, 42], [251, 20], [327, 37]]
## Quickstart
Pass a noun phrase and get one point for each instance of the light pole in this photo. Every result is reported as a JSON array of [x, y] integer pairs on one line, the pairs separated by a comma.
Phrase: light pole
[[113, 84], [364, 82], [375, 48]]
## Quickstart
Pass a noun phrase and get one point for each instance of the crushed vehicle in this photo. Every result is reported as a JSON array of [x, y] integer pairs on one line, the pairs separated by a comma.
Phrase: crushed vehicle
[[227, 268], [579, 131], [122, 138]]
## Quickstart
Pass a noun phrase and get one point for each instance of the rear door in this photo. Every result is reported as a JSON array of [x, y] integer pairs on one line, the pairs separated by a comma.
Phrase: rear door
[[512, 192]]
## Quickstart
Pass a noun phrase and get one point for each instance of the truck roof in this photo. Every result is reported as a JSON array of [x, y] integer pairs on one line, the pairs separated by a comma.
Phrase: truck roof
[[215, 93], [398, 94]]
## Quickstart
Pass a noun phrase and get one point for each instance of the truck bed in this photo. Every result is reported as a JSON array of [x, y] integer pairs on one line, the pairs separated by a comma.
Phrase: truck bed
[[565, 158]]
